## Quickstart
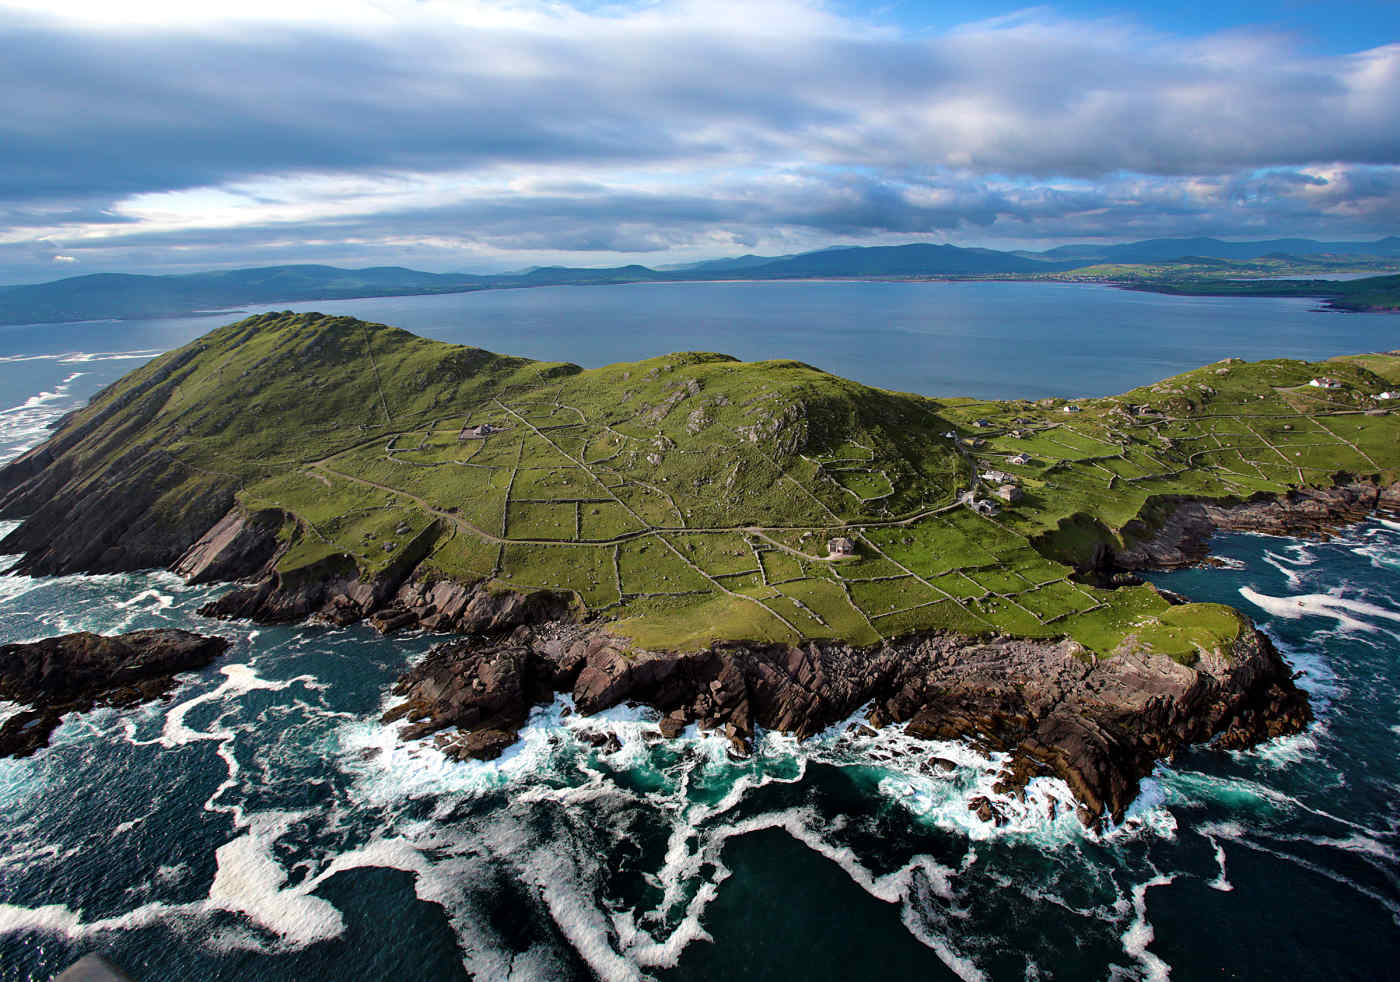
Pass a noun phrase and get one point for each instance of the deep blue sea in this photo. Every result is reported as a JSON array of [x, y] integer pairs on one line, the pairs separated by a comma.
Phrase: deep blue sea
[[262, 825]]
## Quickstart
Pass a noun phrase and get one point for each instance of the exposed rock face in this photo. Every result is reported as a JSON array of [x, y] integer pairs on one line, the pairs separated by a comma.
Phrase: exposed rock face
[[70, 527], [75, 672], [335, 593], [1183, 539], [237, 546], [1099, 726]]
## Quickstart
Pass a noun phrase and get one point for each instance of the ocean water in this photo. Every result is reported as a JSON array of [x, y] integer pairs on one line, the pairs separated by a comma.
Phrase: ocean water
[[992, 340], [263, 825]]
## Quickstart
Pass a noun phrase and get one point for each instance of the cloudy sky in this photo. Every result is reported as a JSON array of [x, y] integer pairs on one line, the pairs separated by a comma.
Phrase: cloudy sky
[[476, 135]]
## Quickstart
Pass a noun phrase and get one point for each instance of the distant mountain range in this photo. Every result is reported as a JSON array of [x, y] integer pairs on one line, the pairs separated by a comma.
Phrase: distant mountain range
[[121, 295]]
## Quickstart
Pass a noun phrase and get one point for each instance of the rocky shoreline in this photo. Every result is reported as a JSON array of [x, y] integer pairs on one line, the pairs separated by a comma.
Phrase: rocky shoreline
[[1179, 535], [78, 672], [1099, 724]]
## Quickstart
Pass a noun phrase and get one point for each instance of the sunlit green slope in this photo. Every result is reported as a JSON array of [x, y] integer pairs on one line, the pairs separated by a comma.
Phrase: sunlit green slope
[[693, 497]]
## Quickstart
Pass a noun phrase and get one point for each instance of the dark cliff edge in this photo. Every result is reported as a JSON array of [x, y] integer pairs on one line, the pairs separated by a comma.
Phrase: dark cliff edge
[[1098, 724], [78, 672], [1176, 532]]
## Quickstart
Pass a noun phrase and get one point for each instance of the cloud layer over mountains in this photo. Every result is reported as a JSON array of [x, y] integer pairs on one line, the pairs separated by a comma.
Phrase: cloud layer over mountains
[[480, 135]]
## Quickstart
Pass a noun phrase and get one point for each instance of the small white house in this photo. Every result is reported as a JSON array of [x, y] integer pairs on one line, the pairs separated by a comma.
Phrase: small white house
[[1323, 382], [1021, 459], [1389, 395], [478, 432], [841, 547], [1073, 409]]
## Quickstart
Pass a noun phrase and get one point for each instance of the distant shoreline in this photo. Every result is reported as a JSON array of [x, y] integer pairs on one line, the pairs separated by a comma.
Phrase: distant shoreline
[[1246, 288]]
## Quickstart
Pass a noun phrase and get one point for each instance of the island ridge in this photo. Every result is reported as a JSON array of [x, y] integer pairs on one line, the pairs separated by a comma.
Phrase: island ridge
[[670, 532]]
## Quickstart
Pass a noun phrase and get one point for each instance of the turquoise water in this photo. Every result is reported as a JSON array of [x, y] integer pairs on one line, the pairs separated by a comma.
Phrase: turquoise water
[[262, 825]]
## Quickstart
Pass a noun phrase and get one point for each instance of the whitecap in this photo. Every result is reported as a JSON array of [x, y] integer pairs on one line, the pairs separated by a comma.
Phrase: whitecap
[[1284, 566], [1139, 933], [1336, 877], [248, 880], [1339, 608], [1214, 832], [76, 357], [1148, 813]]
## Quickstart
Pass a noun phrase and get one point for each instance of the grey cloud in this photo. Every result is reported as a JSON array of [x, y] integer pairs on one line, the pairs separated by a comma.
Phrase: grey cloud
[[127, 112], [1037, 130]]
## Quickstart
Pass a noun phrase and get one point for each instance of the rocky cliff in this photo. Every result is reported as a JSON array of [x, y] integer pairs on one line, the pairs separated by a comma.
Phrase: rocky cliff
[[103, 495], [1100, 724], [1179, 532]]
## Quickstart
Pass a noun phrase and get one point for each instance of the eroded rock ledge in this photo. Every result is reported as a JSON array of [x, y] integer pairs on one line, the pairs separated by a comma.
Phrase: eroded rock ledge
[[1181, 536], [76, 672], [1099, 725]]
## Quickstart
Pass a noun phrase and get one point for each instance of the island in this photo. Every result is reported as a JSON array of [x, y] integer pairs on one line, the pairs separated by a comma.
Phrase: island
[[735, 545]]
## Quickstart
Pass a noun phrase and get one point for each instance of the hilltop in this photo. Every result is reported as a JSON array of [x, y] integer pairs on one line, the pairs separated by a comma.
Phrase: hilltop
[[687, 490], [587, 523]]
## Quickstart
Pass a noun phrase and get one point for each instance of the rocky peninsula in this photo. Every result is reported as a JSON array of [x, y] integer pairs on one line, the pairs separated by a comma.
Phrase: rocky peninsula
[[737, 545]]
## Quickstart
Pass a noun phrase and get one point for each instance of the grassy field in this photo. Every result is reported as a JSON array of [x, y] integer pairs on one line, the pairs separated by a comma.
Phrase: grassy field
[[692, 497]]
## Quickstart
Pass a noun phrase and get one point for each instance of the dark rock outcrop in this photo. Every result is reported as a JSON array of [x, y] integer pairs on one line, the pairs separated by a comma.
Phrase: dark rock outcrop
[[1182, 536], [236, 546], [75, 672], [1100, 725], [334, 591]]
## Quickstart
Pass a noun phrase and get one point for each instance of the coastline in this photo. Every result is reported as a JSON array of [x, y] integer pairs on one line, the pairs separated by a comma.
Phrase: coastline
[[1332, 300], [109, 492], [1099, 724]]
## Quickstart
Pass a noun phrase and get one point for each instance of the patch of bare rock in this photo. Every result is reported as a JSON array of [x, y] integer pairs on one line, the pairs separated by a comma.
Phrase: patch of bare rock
[[77, 672], [1099, 725], [1182, 538]]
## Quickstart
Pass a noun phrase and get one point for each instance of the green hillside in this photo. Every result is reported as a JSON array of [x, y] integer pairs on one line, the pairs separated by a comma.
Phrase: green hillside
[[693, 497]]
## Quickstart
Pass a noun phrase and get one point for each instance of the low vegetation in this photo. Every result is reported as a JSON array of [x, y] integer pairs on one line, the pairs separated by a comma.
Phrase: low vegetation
[[693, 497]]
